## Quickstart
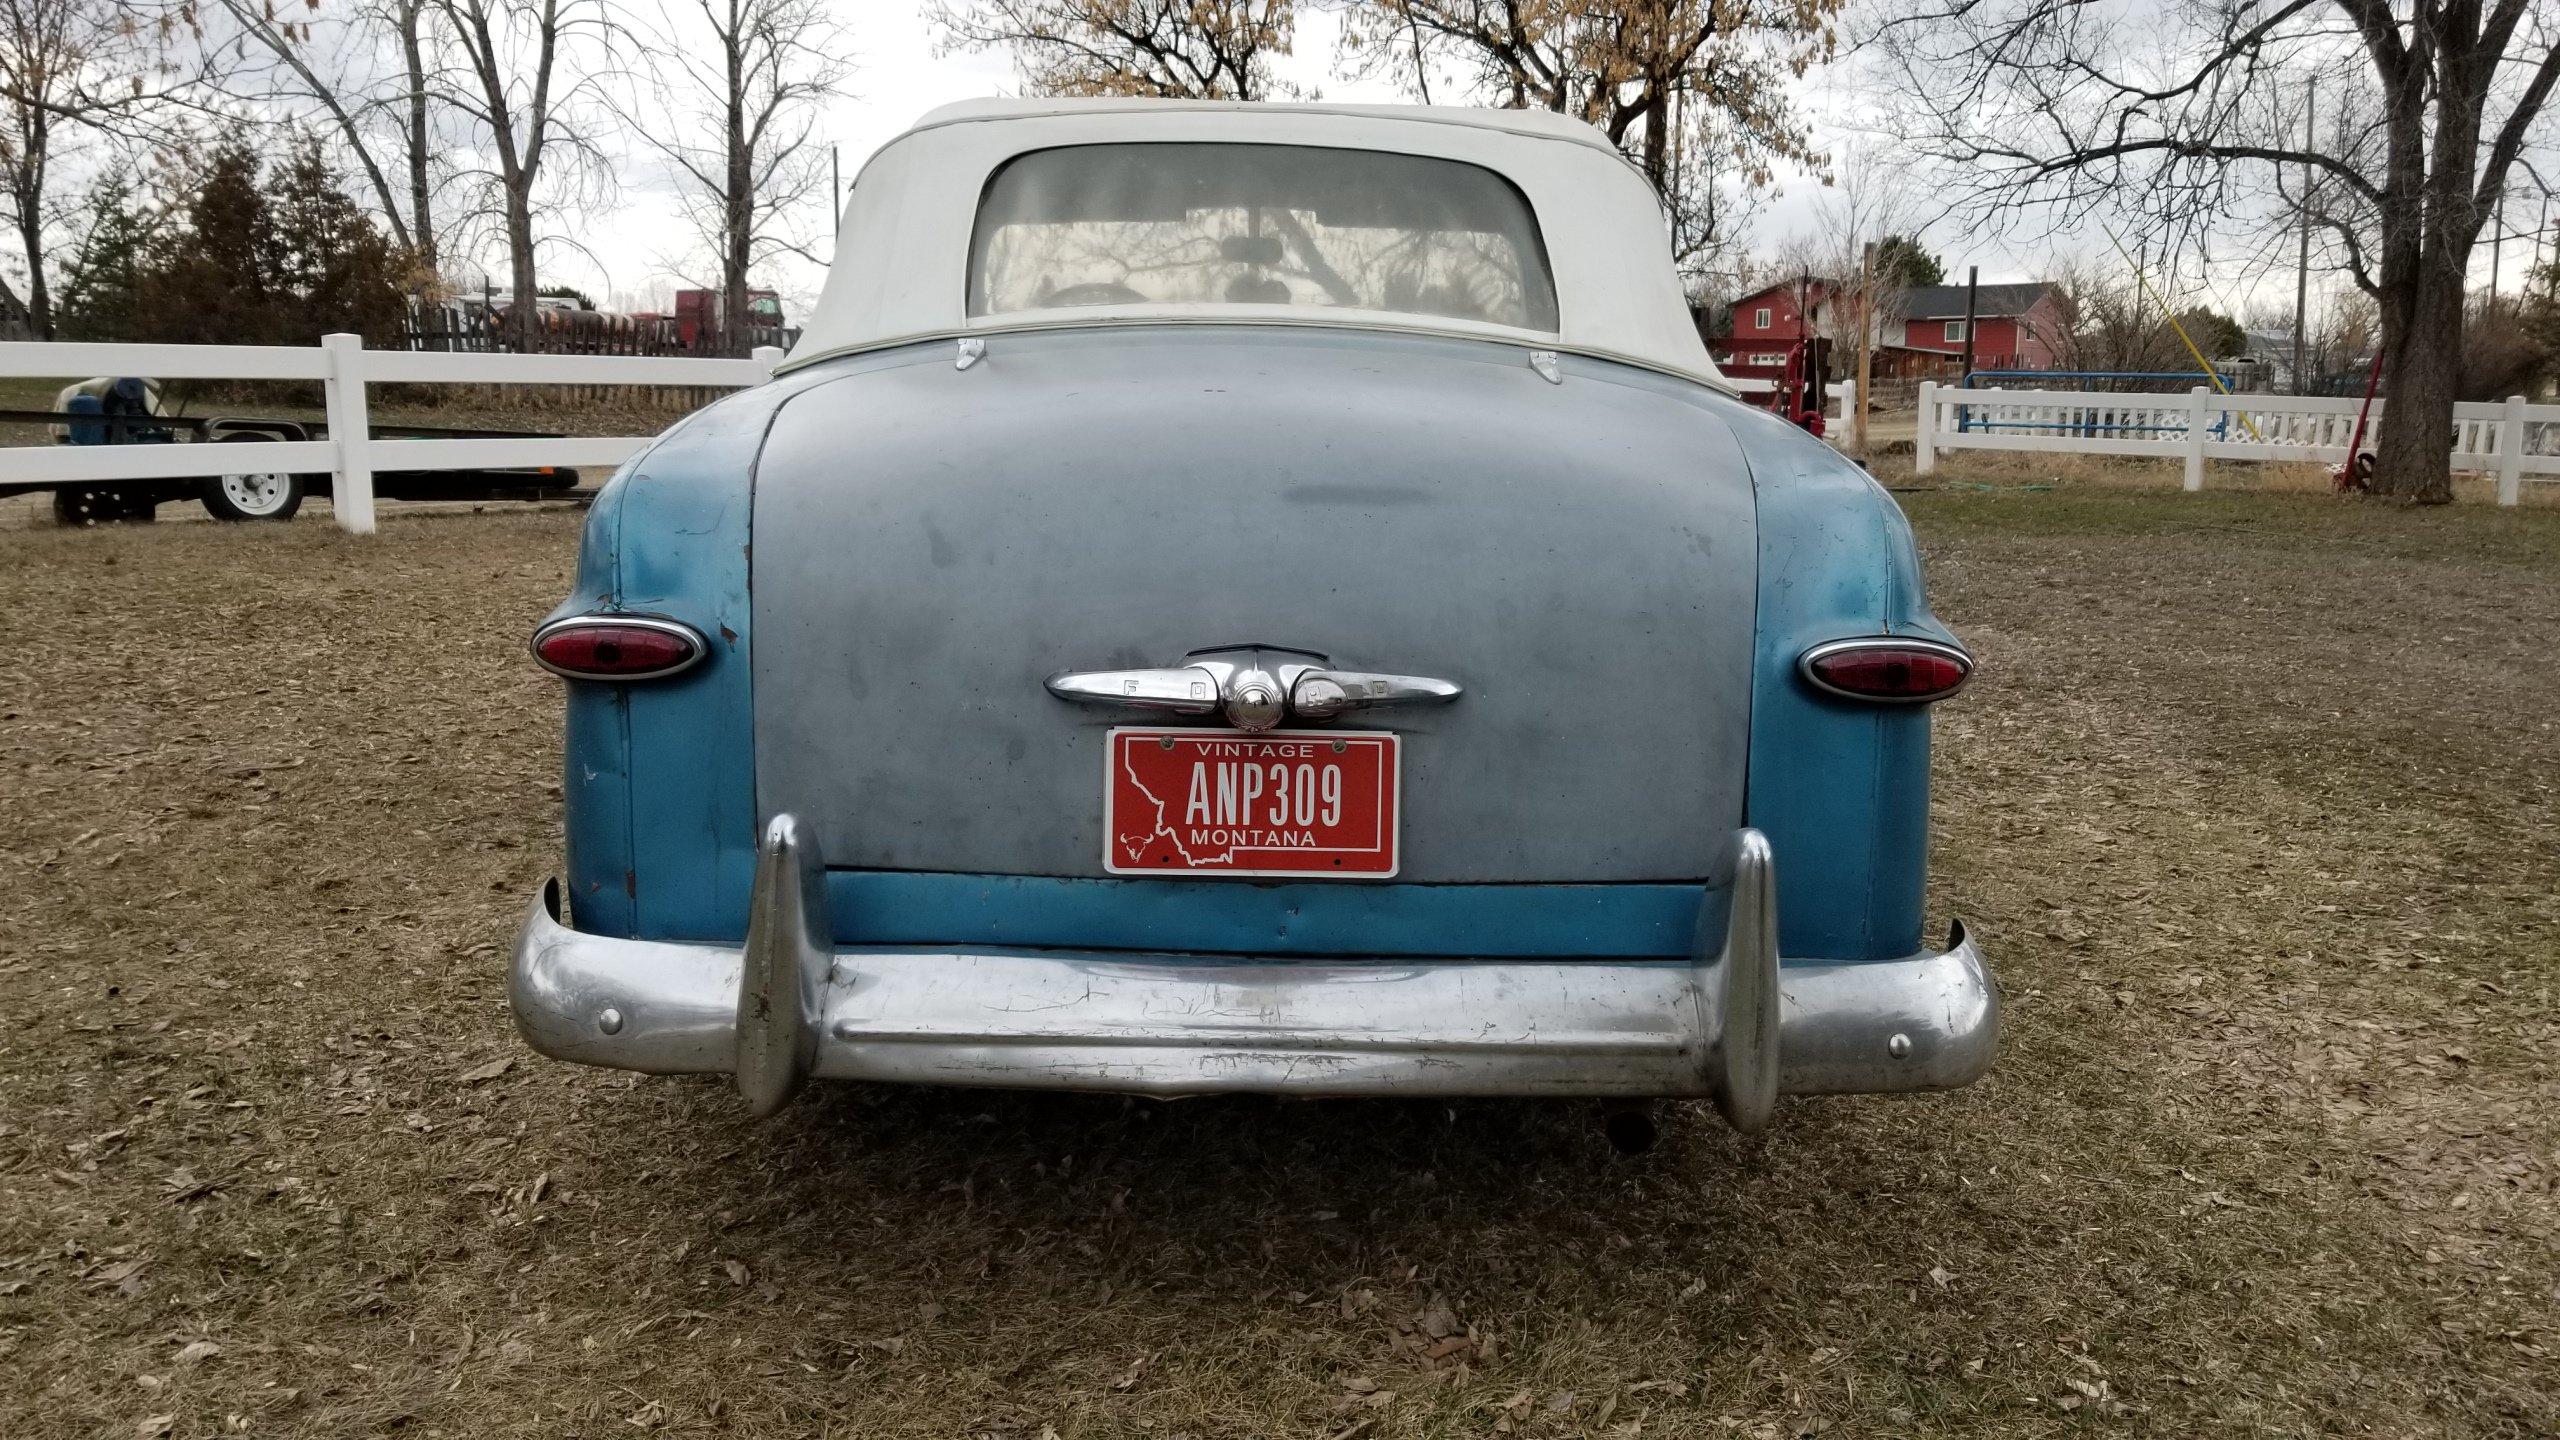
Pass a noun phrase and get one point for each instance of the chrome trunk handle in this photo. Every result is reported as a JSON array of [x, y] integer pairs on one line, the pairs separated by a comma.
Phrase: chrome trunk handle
[[1323, 694], [1256, 688], [1187, 690]]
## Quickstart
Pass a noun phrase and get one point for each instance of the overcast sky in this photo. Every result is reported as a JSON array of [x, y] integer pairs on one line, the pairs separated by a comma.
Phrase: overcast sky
[[900, 78], [634, 254]]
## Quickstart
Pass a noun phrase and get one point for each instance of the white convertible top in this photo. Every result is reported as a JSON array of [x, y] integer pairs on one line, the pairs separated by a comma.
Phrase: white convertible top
[[902, 257]]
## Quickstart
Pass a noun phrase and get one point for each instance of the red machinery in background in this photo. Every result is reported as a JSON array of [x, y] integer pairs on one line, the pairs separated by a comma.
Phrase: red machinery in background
[[1799, 393], [2355, 473], [698, 316], [1796, 388]]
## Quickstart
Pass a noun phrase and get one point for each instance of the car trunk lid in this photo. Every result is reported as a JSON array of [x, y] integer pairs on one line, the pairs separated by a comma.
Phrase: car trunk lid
[[930, 544]]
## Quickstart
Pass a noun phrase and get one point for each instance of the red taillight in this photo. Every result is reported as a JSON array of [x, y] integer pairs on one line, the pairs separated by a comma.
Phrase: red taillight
[[1889, 669], [617, 647]]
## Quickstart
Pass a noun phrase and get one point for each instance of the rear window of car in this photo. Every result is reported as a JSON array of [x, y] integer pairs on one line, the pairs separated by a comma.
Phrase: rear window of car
[[1296, 225]]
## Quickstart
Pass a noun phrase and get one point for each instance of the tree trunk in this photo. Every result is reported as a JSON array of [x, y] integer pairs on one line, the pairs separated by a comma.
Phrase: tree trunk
[[421, 194], [2438, 222], [31, 175], [2413, 456], [526, 320], [14, 321], [38, 302], [738, 218]]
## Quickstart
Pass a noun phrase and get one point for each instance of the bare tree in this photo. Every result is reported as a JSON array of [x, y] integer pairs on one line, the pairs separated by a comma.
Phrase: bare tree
[[737, 119], [1694, 91], [1168, 49], [2195, 119], [537, 107], [1867, 202], [71, 70], [2115, 323], [367, 77]]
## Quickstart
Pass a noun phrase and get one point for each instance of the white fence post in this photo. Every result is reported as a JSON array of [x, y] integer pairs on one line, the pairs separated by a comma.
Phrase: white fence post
[[2511, 452], [1848, 402], [767, 356], [351, 430], [2196, 437], [1924, 441]]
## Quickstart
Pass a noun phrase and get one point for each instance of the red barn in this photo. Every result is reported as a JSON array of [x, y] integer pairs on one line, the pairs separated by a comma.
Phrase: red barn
[[2016, 327], [1766, 322]]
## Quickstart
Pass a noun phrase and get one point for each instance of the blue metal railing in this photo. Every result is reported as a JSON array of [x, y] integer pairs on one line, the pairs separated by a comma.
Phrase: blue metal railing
[[2088, 379], [2179, 377]]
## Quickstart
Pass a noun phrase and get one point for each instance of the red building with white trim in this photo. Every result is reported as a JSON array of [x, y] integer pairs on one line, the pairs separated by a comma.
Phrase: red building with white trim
[[1767, 322], [2015, 327]]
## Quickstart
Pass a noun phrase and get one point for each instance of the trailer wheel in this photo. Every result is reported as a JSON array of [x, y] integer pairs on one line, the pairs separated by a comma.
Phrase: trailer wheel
[[252, 495], [98, 505]]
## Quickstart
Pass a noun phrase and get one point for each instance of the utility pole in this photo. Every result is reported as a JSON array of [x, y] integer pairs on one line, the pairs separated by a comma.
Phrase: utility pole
[[1866, 346], [1804, 347], [2543, 231], [2302, 266], [1972, 286], [2497, 239]]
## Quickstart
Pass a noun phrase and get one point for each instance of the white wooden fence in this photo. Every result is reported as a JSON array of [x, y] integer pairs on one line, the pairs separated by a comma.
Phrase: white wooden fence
[[1843, 393], [351, 453], [2513, 441]]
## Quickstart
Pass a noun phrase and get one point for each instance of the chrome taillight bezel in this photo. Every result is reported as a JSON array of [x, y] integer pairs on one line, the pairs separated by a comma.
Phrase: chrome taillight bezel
[[1807, 662], [697, 645]]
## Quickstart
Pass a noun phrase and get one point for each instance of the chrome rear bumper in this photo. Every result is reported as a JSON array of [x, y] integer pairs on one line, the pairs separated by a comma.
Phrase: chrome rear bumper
[[1733, 1023]]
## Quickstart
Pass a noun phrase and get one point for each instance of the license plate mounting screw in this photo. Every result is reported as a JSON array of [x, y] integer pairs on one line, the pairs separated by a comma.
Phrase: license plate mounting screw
[[1164, 742]]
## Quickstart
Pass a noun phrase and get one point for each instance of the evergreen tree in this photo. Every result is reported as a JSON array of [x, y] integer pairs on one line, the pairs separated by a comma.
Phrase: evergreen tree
[[281, 257], [205, 281], [99, 299], [2539, 315], [2216, 334], [1902, 265], [329, 261]]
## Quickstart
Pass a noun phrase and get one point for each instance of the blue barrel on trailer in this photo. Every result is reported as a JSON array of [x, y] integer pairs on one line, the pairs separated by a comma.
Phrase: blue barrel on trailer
[[85, 431]]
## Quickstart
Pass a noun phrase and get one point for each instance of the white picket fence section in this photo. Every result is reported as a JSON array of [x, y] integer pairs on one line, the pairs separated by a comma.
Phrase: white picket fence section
[[1844, 394], [2513, 441], [344, 368]]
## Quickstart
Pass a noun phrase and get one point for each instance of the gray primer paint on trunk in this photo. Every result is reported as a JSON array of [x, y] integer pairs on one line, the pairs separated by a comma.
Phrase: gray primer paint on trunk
[[930, 543]]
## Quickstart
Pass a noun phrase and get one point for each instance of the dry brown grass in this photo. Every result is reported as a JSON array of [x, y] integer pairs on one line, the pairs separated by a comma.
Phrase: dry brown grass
[[2254, 807]]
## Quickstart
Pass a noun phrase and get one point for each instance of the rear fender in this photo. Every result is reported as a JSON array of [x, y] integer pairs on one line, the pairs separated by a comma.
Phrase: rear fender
[[1840, 787], [668, 536]]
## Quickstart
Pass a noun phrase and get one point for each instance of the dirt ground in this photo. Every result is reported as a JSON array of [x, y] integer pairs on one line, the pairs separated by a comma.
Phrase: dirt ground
[[2254, 807]]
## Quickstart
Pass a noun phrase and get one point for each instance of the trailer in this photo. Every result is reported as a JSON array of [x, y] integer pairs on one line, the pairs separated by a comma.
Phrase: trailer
[[125, 412]]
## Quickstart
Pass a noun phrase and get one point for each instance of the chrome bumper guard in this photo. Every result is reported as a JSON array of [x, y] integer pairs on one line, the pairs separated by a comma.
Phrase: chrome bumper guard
[[1734, 1023]]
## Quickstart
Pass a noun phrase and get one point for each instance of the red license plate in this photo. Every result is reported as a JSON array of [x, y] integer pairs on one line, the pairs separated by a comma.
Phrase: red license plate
[[1212, 802]]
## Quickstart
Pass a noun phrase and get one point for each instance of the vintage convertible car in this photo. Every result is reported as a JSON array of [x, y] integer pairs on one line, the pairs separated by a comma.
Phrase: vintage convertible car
[[1261, 598]]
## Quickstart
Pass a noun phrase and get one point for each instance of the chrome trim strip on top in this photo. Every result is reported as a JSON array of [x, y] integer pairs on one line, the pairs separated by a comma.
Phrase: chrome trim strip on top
[[698, 645]]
